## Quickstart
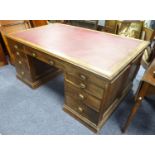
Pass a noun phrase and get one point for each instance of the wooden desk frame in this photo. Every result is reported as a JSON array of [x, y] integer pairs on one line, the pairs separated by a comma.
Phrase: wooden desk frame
[[89, 97]]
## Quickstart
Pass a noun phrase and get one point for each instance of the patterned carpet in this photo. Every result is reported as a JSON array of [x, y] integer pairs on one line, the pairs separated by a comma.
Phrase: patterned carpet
[[36, 112]]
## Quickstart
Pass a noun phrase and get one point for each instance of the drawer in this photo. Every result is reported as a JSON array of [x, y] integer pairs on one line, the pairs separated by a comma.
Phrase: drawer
[[15, 46], [86, 86], [19, 55], [21, 59], [18, 46], [82, 97], [82, 109], [22, 66], [44, 57], [85, 76], [18, 68], [22, 70]]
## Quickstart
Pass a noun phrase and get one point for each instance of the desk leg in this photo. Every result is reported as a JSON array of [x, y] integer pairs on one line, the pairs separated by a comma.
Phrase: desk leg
[[138, 101]]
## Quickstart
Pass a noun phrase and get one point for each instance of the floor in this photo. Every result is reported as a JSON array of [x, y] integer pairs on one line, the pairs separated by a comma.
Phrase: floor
[[35, 112]]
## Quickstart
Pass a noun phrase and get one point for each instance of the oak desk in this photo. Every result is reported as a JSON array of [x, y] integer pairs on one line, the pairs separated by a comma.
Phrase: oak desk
[[98, 67]]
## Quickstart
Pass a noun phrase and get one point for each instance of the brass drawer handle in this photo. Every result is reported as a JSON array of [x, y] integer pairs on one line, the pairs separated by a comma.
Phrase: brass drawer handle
[[34, 54], [51, 62], [17, 53], [20, 62], [15, 46], [83, 77], [82, 85], [22, 73], [80, 109], [82, 97]]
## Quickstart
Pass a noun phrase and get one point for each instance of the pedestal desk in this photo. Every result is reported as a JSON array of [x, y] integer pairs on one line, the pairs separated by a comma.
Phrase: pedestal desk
[[98, 67]]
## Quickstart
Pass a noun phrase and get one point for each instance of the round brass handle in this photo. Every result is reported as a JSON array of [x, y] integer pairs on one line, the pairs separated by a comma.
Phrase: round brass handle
[[34, 54], [15, 46], [80, 109], [154, 74], [51, 62], [82, 85], [17, 53], [83, 77], [22, 73], [81, 97], [20, 62]]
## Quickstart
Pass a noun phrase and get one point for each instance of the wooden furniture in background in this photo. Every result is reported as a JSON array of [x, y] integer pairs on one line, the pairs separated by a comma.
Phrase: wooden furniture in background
[[148, 34], [130, 28], [3, 60], [146, 88], [59, 21], [36, 23], [115, 26], [134, 29], [110, 26], [91, 24], [93, 71], [152, 56], [9, 26]]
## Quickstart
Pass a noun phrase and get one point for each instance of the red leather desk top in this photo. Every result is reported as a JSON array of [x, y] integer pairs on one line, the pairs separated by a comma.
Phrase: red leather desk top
[[102, 53]]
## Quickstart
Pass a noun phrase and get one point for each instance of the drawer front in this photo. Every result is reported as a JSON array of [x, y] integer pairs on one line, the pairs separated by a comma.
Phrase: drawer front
[[21, 59], [82, 97], [82, 109], [85, 86], [19, 54], [15, 46], [44, 57], [19, 69], [18, 46], [22, 70], [85, 76], [22, 66]]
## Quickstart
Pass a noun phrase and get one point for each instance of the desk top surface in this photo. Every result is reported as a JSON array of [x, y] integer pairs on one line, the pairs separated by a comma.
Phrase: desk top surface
[[102, 53]]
